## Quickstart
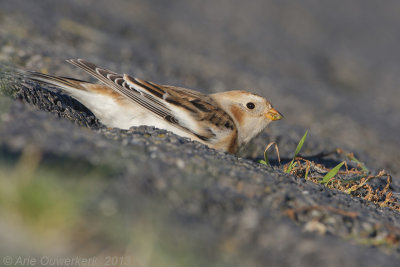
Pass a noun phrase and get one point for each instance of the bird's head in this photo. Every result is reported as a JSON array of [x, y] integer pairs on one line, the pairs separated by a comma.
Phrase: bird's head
[[251, 113]]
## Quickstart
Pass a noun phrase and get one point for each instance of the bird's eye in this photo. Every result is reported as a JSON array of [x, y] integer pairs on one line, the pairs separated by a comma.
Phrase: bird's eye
[[250, 105]]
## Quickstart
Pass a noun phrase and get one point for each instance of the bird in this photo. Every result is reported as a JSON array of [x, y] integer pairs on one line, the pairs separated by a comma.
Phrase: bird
[[225, 121]]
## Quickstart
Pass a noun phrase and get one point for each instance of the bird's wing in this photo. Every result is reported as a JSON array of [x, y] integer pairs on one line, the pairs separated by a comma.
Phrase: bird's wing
[[189, 110]]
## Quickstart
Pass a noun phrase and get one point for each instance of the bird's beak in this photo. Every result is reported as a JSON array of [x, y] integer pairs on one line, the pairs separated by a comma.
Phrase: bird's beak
[[273, 115]]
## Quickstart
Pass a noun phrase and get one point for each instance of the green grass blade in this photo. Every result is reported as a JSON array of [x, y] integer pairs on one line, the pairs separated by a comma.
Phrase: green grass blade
[[289, 169], [331, 173], [298, 148], [266, 160], [359, 163], [300, 145]]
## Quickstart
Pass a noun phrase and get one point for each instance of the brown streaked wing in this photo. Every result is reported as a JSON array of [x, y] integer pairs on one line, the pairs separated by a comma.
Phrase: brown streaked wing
[[201, 106], [205, 107], [151, 96]]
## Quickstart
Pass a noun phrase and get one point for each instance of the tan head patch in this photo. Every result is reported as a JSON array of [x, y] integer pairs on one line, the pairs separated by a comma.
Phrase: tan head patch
[[237, 113]]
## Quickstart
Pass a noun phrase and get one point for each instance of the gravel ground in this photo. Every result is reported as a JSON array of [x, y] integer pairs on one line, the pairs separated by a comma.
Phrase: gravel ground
[[337, 69]]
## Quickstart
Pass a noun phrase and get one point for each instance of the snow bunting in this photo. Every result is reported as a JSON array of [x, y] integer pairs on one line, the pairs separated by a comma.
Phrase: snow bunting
[[224, 121]]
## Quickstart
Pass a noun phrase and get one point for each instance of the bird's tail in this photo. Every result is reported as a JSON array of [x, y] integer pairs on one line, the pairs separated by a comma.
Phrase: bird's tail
[[11, 79], [61, 82]]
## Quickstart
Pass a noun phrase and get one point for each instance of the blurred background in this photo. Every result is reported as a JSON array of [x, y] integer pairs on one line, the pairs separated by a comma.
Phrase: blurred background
[[328, 66]]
